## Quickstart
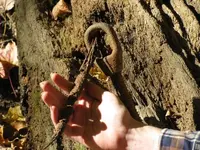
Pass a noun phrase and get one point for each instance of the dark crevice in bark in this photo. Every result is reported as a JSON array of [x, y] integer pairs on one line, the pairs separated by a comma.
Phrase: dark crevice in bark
[[126, 42], [177, 42], [185, 35], [146, 7], [102, 16], [161, 122], [193, 11], [196, 113], [143, 101], [24, 90], [178, 18]]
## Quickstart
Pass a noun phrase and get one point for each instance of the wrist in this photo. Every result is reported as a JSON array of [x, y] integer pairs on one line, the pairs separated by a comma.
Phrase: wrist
[[143, 138]]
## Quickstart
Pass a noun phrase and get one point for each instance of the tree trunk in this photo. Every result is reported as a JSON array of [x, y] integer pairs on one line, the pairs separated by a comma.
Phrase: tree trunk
[[160, 42]]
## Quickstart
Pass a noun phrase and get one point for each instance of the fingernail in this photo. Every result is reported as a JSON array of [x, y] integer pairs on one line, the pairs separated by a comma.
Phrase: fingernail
[[52, 107], [52, 74], [42, 84]]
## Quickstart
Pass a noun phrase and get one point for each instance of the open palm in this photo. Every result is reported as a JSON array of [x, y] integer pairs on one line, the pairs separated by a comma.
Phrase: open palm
[[99, 121]]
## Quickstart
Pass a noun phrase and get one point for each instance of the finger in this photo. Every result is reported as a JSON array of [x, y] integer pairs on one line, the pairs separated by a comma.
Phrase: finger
[[74, 130], [48, 87], [77, 122], [70, 129], [94, 90], [51, 100], [61, 82], [80, 112], [54, 115]]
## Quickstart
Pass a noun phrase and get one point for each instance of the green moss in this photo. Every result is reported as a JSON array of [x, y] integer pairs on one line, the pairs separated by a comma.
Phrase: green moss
[[36, 102], [78, 146]]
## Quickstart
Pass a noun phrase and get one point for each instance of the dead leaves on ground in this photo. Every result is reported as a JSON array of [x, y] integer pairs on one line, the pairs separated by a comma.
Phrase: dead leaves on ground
[[13, 129]]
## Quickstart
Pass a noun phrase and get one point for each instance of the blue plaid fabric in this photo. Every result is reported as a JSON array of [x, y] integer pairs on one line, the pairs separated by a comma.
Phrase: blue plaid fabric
[[177, 140]]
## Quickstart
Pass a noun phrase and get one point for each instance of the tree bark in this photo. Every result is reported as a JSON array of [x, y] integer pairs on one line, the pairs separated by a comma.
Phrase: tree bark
[[160, 42]]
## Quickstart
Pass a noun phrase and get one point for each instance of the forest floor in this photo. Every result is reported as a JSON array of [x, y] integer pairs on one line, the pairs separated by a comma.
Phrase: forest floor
[[13, 128]]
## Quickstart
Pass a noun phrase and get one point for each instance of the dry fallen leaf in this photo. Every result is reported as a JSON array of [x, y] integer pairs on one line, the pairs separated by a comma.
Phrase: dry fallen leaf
[[60, 8], [18, 144], [18, 125], [13, 131], [6, 5], [8, 59], [96, 72], [11, 138], [14, 114]]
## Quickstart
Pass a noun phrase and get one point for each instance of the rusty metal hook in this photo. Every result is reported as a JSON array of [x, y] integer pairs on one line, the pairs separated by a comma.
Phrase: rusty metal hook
[[112, 63]]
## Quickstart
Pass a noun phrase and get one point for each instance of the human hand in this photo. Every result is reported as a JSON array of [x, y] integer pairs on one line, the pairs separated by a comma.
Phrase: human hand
[[99, 121]]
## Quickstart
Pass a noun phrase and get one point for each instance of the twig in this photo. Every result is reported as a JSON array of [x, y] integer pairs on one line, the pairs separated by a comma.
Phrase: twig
[[12, 86], [4, 31], [4, 41], [66, 112]]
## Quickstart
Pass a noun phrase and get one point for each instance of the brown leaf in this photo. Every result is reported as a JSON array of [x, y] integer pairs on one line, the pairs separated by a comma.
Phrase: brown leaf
[[18, 125], [13, 132], [60, 8], [8, 59]]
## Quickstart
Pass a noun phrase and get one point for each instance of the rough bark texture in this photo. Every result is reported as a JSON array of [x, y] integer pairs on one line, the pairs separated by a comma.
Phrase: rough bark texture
[[160, 42]]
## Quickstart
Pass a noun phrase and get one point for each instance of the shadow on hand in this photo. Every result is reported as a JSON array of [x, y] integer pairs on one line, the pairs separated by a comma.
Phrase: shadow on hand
[[92, 126], [95, 125]]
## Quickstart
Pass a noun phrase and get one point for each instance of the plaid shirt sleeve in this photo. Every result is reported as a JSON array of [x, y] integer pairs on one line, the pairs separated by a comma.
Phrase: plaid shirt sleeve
[[178, 140]]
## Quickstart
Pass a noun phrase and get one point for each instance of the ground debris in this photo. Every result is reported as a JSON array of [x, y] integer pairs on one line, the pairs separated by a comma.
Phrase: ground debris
[[13, 129]]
